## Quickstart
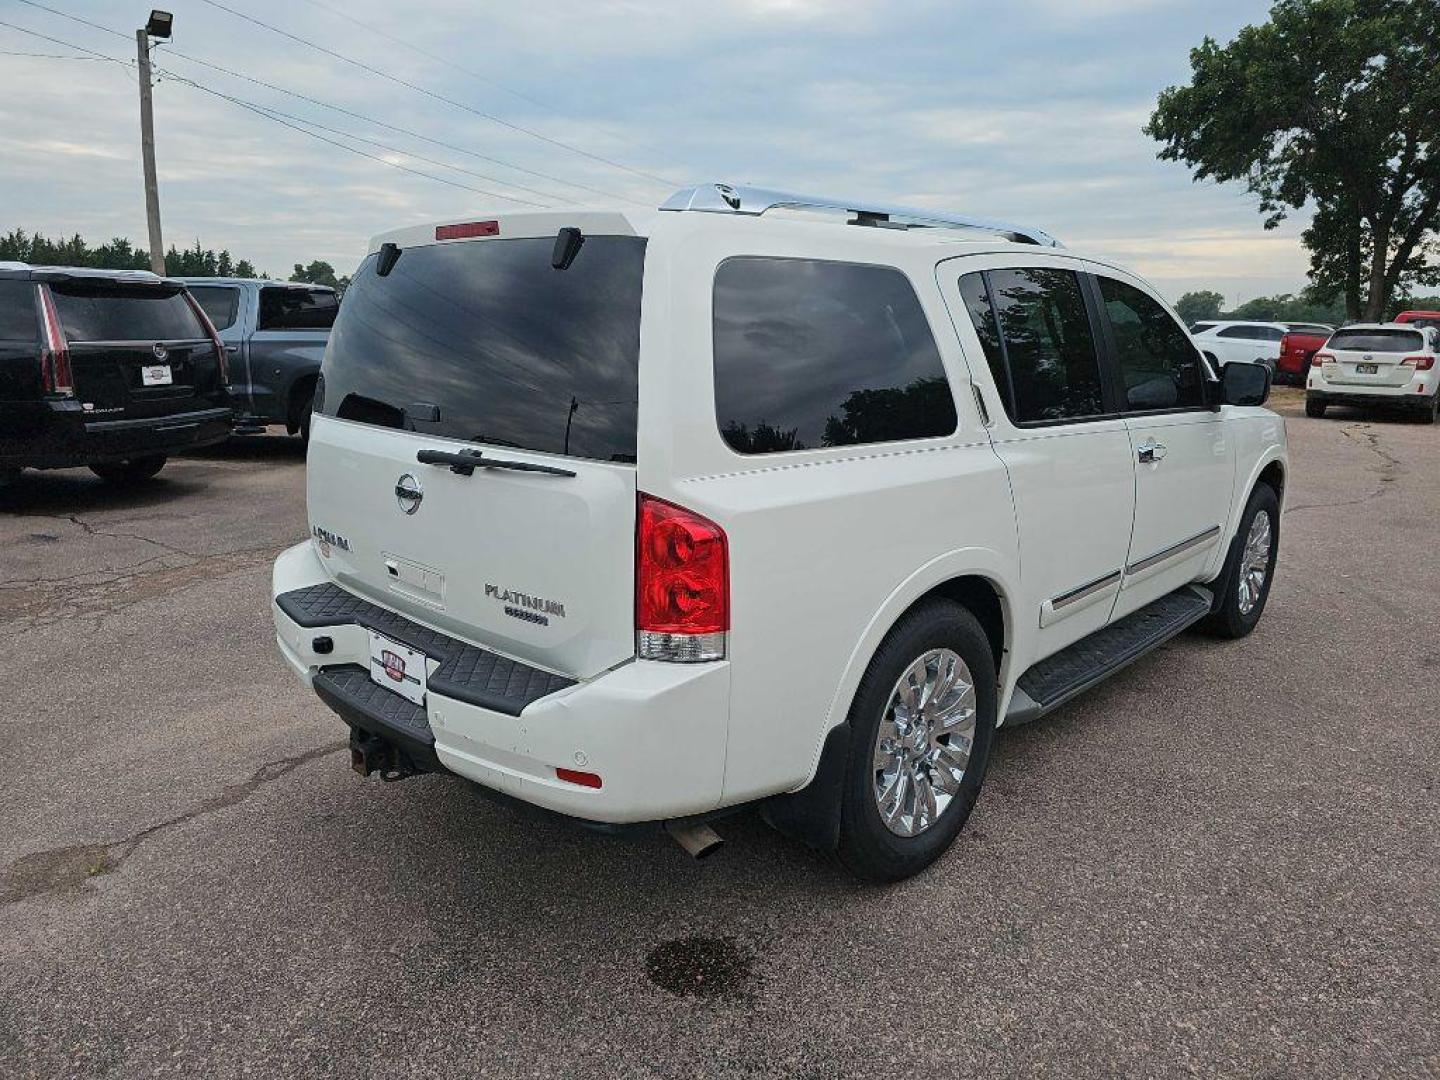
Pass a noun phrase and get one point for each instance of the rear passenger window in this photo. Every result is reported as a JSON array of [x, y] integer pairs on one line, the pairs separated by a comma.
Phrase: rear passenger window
[[1159, 366], [812, 354], [1038, 341], [297, 309], [18, 321]]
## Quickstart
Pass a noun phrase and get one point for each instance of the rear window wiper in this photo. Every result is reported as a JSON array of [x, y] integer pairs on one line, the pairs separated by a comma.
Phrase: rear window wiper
[[467, 461]]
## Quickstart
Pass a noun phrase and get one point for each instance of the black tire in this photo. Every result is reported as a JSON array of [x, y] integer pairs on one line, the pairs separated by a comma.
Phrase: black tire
[[1226, 619], [868, 848], [1428, 415], [301, 409], [1314, 409], [130, 471]]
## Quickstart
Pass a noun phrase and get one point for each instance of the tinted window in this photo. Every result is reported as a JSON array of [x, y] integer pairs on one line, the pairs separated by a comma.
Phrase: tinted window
[[1201, 327], [811, 354], [283, 308], [1048, 345], [102, 311], [982, 316], [18, 321], [220, 304], [1159, 367], [512, 351], [1396, 341]]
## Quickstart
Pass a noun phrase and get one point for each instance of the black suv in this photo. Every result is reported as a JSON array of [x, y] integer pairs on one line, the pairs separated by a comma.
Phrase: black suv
[[111, 369]]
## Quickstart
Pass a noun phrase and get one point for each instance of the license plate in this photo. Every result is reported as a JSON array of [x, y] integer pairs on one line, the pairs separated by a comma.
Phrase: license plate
[[397, 668], [156, 375], [1367, 369]]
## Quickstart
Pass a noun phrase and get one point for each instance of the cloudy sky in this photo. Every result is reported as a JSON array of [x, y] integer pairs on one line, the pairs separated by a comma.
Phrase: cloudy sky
[[1029, 110]]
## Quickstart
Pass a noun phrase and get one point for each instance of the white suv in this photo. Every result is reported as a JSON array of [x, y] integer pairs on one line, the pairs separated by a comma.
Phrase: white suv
[[1389, 365], [757, 499], [1231, 342]]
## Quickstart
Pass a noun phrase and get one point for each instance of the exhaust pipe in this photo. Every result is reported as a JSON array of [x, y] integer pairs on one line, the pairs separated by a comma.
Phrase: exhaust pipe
[[697, 838]]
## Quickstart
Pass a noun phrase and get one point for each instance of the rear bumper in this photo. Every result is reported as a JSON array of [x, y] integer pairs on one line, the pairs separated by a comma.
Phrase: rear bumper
[[1399, 397], [50, 436], [654, 733]]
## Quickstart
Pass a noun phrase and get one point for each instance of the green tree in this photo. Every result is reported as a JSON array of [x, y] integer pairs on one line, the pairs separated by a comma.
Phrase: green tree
[[1334, 104], [1194, 306], [317, 273]]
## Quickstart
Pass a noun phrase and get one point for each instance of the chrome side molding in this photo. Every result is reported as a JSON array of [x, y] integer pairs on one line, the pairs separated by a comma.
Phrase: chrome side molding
[[1173, 550], [1090, 588], [754, 201]]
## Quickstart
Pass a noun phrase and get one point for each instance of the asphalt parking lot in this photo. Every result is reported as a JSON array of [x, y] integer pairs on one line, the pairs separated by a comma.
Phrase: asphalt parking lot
[[1222, 862]]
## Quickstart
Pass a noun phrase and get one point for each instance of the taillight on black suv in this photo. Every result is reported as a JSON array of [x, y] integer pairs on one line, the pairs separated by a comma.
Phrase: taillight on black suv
[[682, 584], [55, 375]]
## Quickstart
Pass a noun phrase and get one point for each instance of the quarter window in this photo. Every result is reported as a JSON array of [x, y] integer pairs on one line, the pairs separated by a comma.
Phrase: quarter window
[[1159, 367], [218, 303], [813, 354], [1037, 337], [289, 308]]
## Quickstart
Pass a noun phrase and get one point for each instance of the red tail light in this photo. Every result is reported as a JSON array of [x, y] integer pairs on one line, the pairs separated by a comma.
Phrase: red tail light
[[1320, 358], [467, 230], [220, 353], [1419, 363], [682, 584], [54, 353]]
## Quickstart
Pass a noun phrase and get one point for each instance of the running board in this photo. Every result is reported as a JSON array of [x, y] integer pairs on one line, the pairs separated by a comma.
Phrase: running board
[[1055, 680]]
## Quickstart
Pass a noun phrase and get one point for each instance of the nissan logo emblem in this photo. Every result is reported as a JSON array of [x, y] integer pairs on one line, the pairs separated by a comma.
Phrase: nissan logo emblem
[[408, 493]]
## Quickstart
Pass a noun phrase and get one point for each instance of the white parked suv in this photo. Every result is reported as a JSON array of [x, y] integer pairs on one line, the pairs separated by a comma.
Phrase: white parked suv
[[1232, 341], [1386, 365], [644, 517]]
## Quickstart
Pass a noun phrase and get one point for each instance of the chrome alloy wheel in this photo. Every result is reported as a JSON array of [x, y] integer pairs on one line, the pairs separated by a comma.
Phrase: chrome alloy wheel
[[1254, 563], [923, 745]]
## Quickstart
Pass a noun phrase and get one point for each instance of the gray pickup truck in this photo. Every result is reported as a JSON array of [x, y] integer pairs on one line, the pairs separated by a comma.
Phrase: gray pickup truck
[[275, 333]]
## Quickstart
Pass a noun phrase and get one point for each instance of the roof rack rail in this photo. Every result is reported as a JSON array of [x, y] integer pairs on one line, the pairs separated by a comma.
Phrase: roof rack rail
[[753, 201]]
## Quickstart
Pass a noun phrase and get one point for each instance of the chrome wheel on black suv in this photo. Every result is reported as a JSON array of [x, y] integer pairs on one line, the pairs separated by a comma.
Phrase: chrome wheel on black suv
[[922, 724]]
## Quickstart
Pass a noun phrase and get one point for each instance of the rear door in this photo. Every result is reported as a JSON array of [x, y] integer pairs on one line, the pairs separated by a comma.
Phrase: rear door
[[137, 350], [1184, 470], [224, 306], [481, 347], [1372, 357], [291, 329], [1248, 343], [1065, 448]]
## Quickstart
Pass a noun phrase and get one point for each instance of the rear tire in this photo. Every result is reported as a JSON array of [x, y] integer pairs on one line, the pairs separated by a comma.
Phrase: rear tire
[[1430, 414], [301, 409], [1243, 586], [1314, 409], [945, 639], [130, 471]]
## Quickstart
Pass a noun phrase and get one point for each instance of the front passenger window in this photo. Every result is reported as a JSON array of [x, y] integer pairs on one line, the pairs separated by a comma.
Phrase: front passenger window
[[1159, 365]]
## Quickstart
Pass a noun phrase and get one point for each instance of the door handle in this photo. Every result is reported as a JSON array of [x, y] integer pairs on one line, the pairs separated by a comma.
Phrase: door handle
[[1150, 452]]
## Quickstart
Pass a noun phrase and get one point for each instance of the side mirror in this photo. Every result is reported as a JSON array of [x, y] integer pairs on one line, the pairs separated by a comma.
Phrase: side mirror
[[1245, 384]]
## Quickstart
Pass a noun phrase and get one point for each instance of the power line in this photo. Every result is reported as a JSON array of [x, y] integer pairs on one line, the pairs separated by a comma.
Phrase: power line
[[51, 56], [341, 109], [373, 29], [372, 70], [260, 111]]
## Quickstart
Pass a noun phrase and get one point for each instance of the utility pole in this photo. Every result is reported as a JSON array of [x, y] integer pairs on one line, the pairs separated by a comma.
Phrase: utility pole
[[159, 27]]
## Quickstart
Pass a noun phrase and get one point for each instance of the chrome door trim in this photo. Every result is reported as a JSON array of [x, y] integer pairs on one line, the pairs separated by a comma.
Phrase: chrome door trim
[[1172, 551], [1090, 588]]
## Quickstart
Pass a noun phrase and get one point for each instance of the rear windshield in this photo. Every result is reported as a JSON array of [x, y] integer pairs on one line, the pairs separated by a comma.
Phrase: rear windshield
[[1396, 341], [220, 303], [93, 311], [17, 312], [297, 309], [509, 350]]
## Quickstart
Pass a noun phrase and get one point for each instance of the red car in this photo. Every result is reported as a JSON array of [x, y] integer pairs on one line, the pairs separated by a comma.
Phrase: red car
[[1296, 349], [1420, 318]]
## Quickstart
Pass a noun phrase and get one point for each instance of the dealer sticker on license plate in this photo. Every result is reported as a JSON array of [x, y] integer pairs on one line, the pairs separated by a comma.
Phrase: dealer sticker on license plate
[[1367, 369], [156, 375], [397, 668]]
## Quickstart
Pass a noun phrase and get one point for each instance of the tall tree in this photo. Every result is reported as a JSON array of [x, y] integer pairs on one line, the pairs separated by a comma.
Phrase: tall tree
[[1335, 104], [1194, 306]]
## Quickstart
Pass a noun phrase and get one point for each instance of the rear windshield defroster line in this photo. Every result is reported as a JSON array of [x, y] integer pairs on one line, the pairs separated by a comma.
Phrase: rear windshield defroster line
[[510, 351]]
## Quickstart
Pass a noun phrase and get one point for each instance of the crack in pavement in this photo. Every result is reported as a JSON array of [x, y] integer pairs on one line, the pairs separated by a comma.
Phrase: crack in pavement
[[44, 602], [71, 868], [1391, 470], [91, 530]]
